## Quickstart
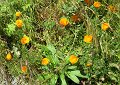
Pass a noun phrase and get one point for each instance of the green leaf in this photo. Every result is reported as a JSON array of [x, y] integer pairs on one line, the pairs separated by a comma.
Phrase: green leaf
[[26, 6], [49, 24], [77, 73], [54, 79], [72, 77], [10, 29], [40, 77], [114, 65], [51, 48], [47, 75], [113, 76], [62, 77], [72, 67], [55, 59]]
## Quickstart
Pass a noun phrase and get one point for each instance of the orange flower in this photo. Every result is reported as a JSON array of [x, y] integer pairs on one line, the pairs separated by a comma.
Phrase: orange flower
[[45, 61], [8, 56], [19, 23], [87, 1], [75, 18], [64, 21], [105, 26], [88, 38], [112, 8], [25, 40], [89, 64], [73, 59], [18, 14], [97, 4], [24, 69]]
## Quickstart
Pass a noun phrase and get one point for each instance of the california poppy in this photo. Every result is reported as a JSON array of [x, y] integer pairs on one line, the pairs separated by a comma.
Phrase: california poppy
[[19, 23], [97, 4], [105, 26], [18, 14], [45, 61], [73, 59], [9, 56], [25, 40], [64, 21], [24, 69], [88, 38]]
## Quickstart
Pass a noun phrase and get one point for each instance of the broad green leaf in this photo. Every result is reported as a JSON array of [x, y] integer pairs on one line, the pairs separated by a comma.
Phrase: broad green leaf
[[51, 48], [77, 73], [72, 77], [67, 59], [40, 77], [72, 67], [55, 59], [62, 77], [54, 79], [47, 75]]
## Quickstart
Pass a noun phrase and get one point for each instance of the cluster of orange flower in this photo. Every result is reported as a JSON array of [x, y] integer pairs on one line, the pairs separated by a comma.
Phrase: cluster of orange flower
[[104, 26], [24, 40], [87, 38], [98, 4], [63, 22], [73, 59], [19, 22]]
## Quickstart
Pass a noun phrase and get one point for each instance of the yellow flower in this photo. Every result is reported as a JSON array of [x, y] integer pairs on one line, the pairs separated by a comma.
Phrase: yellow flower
[[73, 59], [105, 26], [64, 21], [25, 40], [18, 14], [19, 23], [112, 8], [24, 69], [45, 61], [88, 38], [97, 4], [8, 56], [89, 64]]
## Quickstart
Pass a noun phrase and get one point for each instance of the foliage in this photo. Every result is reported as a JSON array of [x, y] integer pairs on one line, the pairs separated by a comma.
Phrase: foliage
[[48, 39]]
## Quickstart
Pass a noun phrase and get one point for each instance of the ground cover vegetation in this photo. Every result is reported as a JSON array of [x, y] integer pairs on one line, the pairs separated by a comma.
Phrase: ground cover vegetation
[[60, 42]]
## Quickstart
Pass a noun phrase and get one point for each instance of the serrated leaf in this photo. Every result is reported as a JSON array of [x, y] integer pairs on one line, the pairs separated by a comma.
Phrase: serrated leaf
[[62, 77]]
